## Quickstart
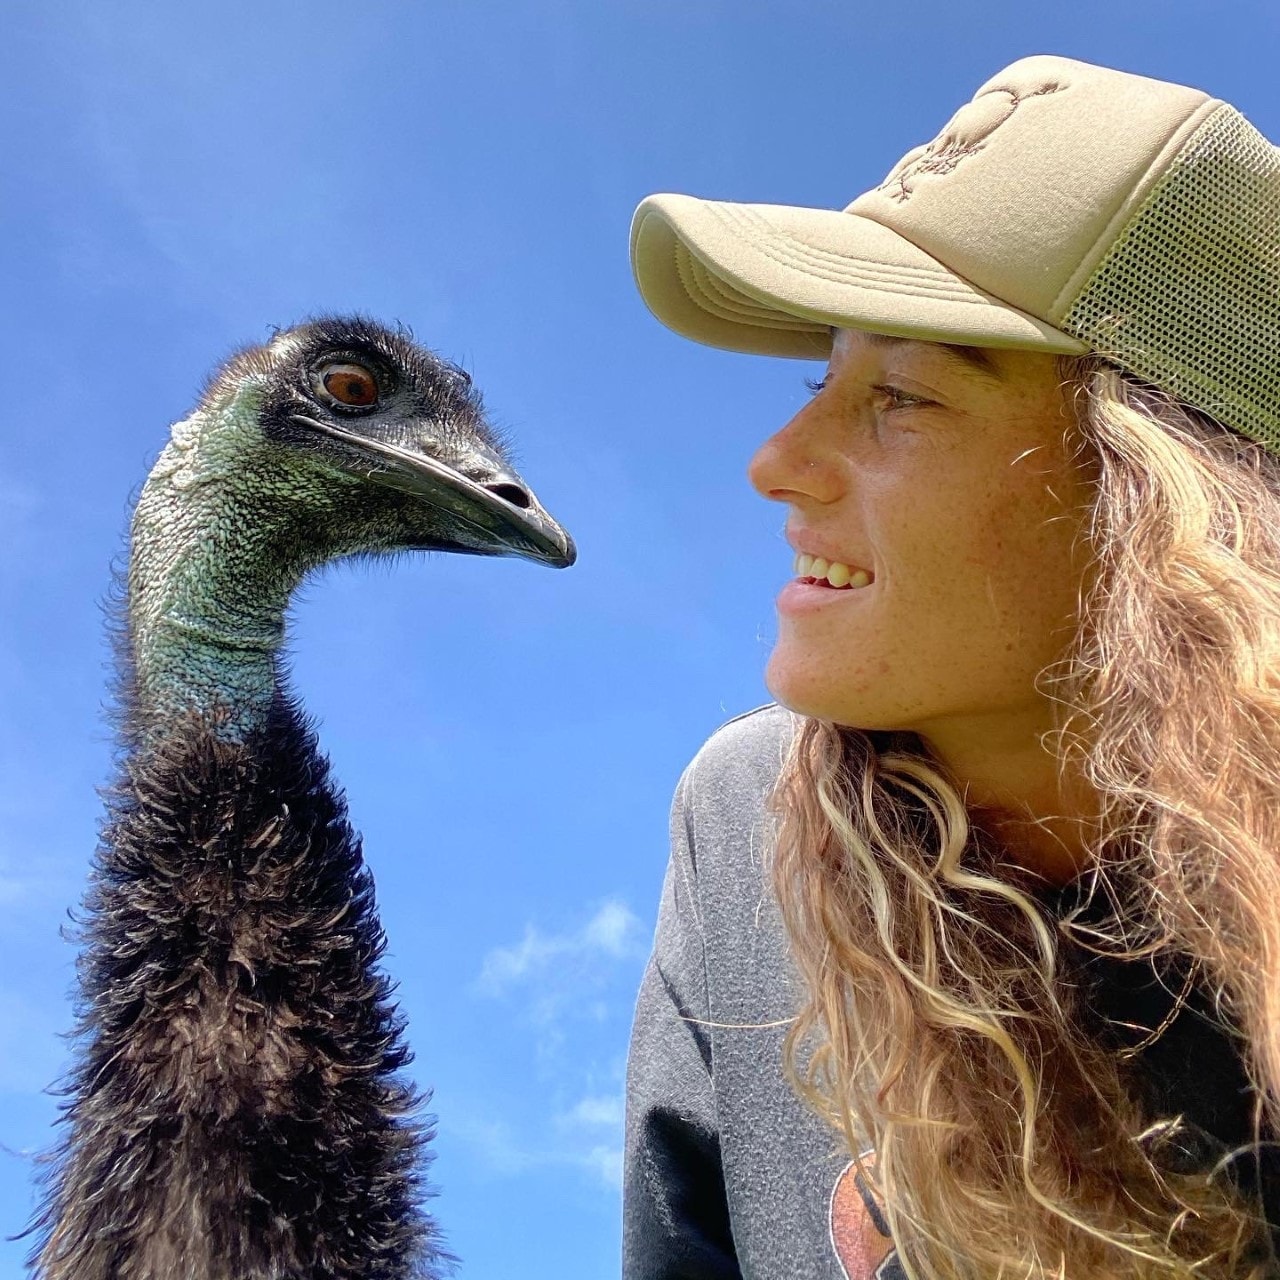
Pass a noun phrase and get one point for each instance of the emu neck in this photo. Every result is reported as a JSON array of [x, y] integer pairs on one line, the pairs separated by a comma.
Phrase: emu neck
[[214, 559]]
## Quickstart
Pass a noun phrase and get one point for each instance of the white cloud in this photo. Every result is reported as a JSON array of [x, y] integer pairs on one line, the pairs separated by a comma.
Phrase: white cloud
[[613, 929], [607, 1164], [505, 965], [566, 987], [596, 1120], [614, 932], [593, 1111], [494, 1142], [509, 1155]]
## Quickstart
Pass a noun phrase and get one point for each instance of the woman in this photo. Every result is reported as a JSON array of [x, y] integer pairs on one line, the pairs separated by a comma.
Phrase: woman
[[1011, 852]]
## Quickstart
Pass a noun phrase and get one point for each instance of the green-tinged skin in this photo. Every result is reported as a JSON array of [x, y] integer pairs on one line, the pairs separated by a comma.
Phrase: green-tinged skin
[[207, 591]]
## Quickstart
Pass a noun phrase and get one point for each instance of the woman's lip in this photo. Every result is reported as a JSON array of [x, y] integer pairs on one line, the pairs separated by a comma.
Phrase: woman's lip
[[799, 596]]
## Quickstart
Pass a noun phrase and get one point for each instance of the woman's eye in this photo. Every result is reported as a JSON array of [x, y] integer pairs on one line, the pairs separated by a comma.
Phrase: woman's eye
[[350, 384], [898, 398], [901, 399]]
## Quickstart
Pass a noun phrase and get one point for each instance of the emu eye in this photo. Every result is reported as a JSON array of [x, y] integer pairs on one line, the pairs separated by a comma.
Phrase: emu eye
[[350, 384]]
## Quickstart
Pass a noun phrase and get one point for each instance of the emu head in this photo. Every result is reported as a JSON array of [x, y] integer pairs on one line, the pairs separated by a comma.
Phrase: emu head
[[343, 437], [337, 438]]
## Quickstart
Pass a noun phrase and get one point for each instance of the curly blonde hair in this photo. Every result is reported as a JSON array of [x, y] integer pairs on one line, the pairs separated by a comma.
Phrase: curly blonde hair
[[944, 1024]]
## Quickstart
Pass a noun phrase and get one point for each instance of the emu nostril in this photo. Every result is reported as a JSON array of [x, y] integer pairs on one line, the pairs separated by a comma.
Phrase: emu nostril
[[513, 494]]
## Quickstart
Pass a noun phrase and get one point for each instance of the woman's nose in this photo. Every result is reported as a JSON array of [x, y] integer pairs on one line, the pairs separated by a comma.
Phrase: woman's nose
[[794, 464]]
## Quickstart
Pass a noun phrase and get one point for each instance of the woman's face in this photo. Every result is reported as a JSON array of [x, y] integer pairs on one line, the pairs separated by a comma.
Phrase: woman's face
[[946, 478]]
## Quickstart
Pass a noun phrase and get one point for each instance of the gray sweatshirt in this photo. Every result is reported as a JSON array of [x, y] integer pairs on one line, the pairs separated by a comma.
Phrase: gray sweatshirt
[[727, 1174]]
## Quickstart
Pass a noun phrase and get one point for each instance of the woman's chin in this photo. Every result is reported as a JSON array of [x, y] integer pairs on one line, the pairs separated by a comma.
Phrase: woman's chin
[[803, 684], [800, 686]]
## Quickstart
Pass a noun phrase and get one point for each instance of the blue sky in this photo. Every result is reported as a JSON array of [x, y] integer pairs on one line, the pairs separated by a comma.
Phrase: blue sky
[[177, 179]]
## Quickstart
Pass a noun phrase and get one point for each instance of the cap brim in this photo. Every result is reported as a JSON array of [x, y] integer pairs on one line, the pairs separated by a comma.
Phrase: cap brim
[[775, 279]]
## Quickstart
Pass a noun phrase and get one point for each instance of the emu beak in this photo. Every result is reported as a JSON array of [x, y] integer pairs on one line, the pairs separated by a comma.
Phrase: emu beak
[[489, 508], [491, 504]]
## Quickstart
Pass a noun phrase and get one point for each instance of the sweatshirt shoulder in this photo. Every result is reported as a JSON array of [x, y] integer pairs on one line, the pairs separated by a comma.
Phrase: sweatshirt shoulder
[[742, 759]]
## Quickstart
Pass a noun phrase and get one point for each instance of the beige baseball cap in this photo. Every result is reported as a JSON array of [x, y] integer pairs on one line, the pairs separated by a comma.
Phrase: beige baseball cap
[[1066, 208]]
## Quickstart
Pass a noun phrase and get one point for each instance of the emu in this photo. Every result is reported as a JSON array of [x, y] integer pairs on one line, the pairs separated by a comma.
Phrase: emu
[[238, 1110]]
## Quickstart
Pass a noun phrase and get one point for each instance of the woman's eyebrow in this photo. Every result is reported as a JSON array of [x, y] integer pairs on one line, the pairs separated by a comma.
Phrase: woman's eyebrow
[[974, 359]]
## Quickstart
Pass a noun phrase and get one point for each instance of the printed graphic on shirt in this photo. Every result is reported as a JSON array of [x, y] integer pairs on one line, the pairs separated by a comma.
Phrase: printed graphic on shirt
[[859, 1232]]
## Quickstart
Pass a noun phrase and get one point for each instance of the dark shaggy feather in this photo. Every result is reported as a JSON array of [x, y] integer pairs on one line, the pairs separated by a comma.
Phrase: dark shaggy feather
[[237, 1110]]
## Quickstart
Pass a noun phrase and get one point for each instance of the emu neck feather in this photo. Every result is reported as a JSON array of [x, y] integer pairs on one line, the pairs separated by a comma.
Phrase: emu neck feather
[[216, 551]]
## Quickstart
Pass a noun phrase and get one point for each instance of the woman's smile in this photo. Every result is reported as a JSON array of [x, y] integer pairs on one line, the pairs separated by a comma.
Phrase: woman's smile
[[820, 583]]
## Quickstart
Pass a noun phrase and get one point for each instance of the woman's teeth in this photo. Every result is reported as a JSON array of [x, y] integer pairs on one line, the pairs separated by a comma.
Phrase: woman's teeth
[[829, 571]]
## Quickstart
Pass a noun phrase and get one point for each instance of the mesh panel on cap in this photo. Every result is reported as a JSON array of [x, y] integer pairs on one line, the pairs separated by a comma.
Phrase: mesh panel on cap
[[1189, 295]]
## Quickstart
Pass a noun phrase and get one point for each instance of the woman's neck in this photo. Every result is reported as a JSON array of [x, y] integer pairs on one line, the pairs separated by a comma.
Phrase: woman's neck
[[1044, 817], [1056, 848]]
